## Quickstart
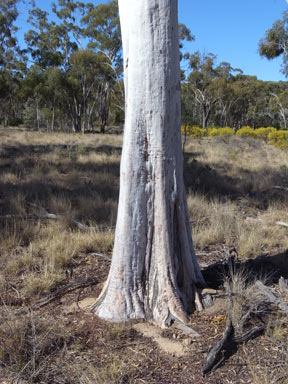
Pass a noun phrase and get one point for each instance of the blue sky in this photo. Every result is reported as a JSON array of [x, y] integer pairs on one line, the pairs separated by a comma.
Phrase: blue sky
[[228, 28], [232, 29]]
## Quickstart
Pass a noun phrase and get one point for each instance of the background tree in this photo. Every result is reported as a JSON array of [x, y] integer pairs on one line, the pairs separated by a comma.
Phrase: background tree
[[275, 42], [12, 61], [101, 26]]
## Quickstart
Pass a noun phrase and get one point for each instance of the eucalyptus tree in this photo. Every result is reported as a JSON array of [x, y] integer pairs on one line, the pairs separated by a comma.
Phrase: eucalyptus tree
[[32, 89], [83, 87], [8, 29], [12, 61], [102, 28], [48, 42], [275, 42], [154, 270], [279, 105], [201, 82]]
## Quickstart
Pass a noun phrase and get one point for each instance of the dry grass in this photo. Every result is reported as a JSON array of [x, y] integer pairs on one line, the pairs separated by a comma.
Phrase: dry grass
[[28, 347], [72, 176], [231, 199], [248, 302], [275, 370], [231, 203]]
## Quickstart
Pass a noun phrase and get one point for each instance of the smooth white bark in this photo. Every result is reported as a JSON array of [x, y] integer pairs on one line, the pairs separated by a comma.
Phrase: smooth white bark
[[154, 268]]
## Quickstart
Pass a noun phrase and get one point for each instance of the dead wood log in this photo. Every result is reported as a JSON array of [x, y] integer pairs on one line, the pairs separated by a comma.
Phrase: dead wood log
[[214, 358], [283, 285], [271, 297]]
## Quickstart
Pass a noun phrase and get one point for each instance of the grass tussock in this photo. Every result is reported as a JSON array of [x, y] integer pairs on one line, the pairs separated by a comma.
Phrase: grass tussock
[[116, 371], [28, 347], [248, 302]]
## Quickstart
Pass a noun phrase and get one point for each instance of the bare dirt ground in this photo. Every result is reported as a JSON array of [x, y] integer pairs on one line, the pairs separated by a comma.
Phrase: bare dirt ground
[[76, 178]]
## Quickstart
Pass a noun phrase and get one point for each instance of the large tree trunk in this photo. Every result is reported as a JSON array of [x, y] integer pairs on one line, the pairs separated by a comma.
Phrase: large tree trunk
[[154, 268]]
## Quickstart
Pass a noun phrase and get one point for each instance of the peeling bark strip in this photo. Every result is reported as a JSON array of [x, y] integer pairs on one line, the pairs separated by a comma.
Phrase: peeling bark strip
[[154, 269]]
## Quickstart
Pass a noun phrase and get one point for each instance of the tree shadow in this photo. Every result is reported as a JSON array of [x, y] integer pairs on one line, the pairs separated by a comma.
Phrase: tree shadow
[[89, 189], [258, 188], [268, 267]]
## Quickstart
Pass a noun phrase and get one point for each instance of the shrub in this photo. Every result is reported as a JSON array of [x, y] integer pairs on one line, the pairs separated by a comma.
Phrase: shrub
[[226, 131], [262, 133], [193, 131], [278, 138], [246, 132]]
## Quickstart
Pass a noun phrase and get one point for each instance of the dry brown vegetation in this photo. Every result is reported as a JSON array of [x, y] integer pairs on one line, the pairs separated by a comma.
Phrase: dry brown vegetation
[[232, 202]]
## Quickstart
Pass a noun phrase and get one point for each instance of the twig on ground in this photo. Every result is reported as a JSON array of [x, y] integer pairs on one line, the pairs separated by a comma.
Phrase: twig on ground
[[100, 255]]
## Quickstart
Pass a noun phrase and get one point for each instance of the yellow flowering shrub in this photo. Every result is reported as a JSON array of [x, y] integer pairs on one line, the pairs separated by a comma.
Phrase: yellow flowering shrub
[[193, 131], [246, 132], [262, 133], [226, 131], [278, 138]]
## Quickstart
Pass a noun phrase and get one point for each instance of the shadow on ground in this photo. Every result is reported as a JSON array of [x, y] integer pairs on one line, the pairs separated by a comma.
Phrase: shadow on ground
[[270, 267]]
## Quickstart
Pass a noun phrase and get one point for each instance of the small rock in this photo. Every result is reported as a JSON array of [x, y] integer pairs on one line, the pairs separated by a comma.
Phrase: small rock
[[187, 342], [83, 305]]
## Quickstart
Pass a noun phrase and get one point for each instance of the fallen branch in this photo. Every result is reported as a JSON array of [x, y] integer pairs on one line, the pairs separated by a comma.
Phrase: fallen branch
[[255, 331], [63, 291], [279, 187], [184, 328], [52, 297], [49, 216], [282, 224]]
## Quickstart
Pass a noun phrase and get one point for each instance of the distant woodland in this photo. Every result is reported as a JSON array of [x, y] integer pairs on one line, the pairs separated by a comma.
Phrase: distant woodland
[[66, 75]]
